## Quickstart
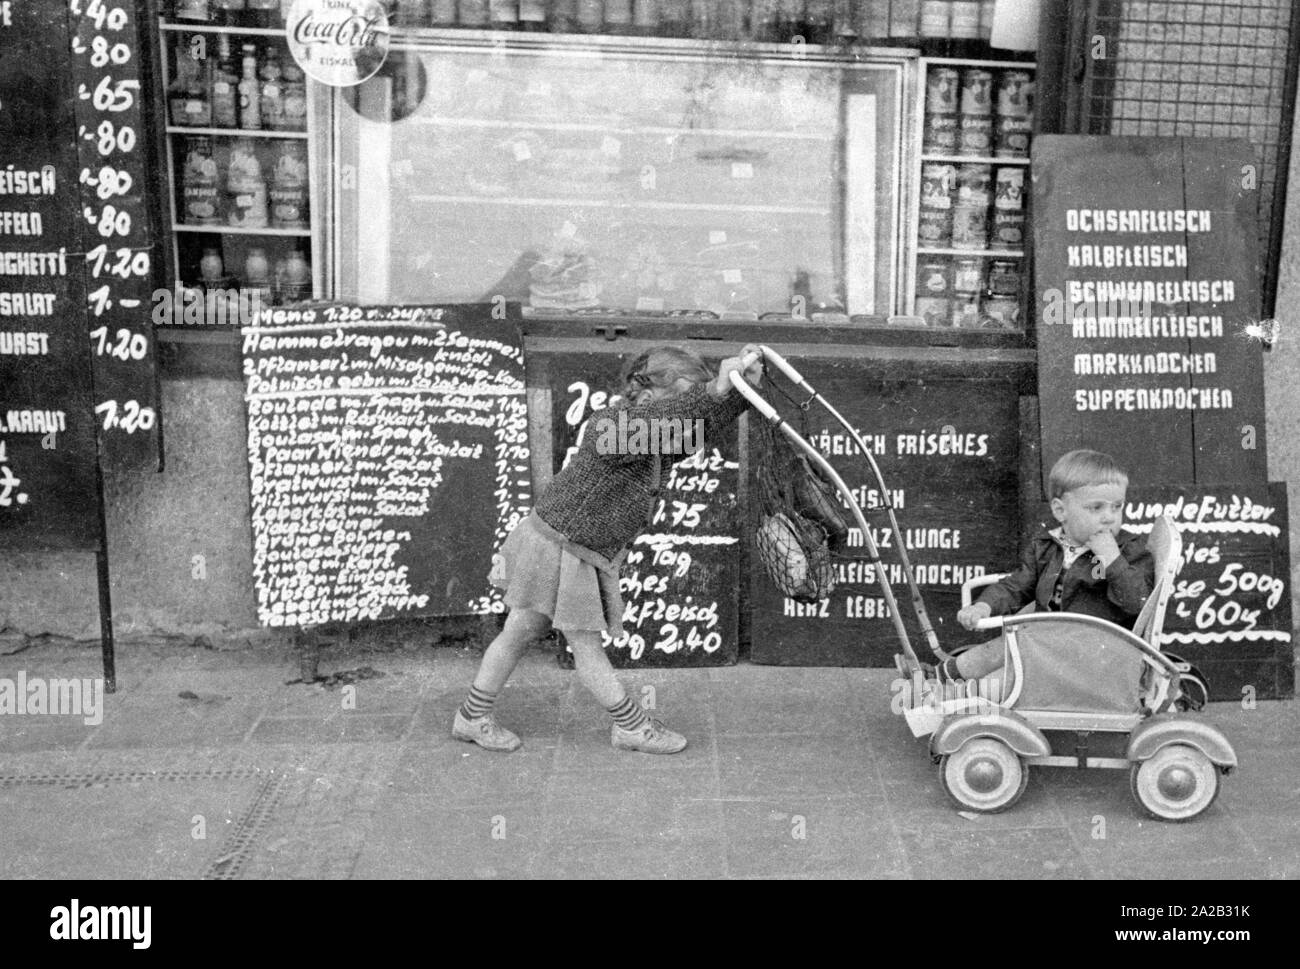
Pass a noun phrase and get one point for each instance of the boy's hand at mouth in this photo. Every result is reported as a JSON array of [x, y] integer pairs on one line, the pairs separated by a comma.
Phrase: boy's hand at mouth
[[1103, 546]]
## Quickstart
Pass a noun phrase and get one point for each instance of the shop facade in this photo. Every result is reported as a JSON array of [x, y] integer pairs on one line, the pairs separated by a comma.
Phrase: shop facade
[[851, 184]]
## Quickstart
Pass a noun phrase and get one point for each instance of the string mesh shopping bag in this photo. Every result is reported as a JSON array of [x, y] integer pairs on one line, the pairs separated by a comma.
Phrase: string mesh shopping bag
[[801, 522]]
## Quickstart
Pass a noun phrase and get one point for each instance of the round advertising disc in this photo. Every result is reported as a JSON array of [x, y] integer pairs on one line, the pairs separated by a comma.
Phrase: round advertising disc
[[338, 42]]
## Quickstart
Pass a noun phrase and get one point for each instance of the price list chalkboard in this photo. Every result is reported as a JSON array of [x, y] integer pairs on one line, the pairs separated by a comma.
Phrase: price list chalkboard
[[110, 136], [388, 458], [679, 580], [1230, 611], [47, 437], [949, 454], [1148, 286]]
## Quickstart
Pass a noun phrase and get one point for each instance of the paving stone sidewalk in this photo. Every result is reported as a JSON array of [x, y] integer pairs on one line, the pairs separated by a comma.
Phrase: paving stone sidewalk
[[208, 764]]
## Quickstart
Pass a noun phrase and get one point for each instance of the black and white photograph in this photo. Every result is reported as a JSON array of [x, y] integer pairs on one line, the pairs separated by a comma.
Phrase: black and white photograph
[[650, 440]]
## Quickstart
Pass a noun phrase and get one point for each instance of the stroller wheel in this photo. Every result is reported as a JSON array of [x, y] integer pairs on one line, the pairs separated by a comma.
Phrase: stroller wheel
[[1177, 784], [984, 775]]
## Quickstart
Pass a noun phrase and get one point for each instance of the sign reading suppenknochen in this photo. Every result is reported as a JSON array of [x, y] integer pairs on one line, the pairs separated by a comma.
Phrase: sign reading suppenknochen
[[338, 42]]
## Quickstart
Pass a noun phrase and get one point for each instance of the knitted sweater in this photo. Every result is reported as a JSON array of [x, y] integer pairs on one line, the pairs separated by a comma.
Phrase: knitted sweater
[[1117, 596], [599, 502]]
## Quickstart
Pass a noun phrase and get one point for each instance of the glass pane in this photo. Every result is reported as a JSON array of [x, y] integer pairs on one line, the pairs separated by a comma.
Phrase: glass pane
[[662, 180]]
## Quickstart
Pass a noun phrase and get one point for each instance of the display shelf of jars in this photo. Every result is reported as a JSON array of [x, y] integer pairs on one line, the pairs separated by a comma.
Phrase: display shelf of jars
[[238, 166], [974, 129]]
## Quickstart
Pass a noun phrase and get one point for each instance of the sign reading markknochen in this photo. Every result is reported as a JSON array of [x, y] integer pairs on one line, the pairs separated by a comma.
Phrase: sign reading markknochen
[[338, 42]]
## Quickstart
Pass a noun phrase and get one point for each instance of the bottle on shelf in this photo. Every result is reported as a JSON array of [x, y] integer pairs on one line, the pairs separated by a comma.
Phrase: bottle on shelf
[[645, 17], [293, 277], [295, 97], [675, 18], [618, 16], [289, 186], [442, 13], [212, 270], [904, 21], [230, 13], [191, 10], [964, 29], [246, 187], [271, 93], [411, 13], [473, 13], [935, 24], [264, 13], [503, 14], [200, 185], [250, 95], [256, 290], [225, 86], [187, 95]]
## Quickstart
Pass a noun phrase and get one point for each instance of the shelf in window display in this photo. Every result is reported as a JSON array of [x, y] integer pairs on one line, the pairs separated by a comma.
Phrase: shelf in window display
[[974, 253], [977, 159], [237, 230], [198, 27], [235, 132], [625, 130], [625, 204]]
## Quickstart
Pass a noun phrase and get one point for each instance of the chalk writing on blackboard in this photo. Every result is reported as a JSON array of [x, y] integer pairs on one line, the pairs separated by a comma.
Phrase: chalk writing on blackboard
[[389, 458]]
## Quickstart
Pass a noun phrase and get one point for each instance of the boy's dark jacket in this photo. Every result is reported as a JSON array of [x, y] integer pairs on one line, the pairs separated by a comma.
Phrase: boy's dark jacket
[[598, 503], [1118, 596]]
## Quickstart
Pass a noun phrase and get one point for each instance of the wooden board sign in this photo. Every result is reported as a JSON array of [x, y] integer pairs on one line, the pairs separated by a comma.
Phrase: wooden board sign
[[949, 454], [47, 434], [1230, 613], [111, 135], [681, 573], [388, 459], [1148, 307]]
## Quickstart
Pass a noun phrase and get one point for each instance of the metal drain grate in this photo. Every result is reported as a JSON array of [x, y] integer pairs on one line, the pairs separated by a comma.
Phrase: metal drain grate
[[100, 778], [239, 846]]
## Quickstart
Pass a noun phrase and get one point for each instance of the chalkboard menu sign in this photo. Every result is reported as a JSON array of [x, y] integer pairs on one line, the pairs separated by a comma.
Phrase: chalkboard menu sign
[[117, 238], [47, 435], [949, 453], [681, 573], [1148, 303], [388, 457], [1230, 613]]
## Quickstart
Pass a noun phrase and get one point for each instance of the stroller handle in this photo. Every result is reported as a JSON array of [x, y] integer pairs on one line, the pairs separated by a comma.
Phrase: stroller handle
[[781, 364], [753, 396]]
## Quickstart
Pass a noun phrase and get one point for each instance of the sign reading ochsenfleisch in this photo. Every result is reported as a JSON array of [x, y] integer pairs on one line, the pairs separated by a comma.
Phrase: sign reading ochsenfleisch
[[1148, 304]]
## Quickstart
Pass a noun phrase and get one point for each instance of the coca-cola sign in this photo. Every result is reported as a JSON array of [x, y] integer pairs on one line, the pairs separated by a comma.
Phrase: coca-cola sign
[[338, 42]]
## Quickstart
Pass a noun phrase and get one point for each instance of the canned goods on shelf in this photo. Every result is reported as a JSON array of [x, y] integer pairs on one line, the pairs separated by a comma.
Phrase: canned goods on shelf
[[971, 208], [967, 276], [1004, 279], [976, 91], [1001, 313], [935, 310], [966, 311], [932, 278], [938, 181], [1008, 209]]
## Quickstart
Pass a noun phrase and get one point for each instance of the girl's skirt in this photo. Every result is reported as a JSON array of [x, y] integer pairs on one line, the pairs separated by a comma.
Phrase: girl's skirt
[[539, 574]]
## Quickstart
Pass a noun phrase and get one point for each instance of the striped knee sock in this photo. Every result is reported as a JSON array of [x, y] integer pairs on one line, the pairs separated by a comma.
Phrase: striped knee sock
[[477, 704], [627, 714]]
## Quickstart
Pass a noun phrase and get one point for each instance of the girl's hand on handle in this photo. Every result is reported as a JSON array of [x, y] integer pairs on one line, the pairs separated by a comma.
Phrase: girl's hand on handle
[[753, 374], [972, 614]]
